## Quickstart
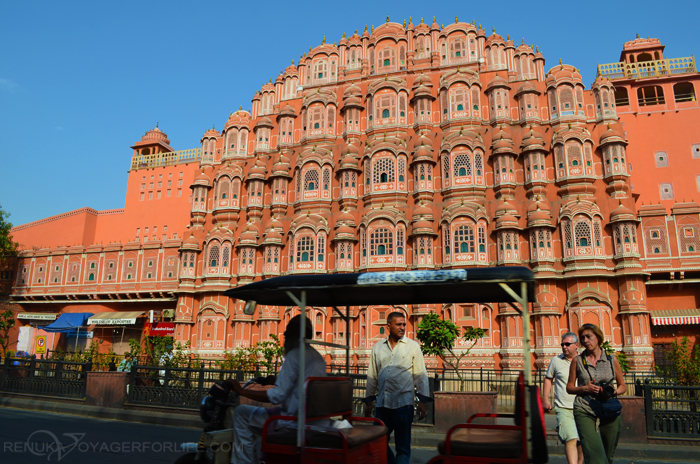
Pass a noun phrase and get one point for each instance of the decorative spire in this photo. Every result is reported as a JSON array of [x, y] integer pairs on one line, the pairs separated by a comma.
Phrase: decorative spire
[[456, 20], [404, 24], [537, 48], [240, 108], [561, 64], [493, 28], [323, 42], [387, 19], [365, 27], [523, 40], [421, 20], [292, 60], [637, 34], [372, 28], [343, 34]]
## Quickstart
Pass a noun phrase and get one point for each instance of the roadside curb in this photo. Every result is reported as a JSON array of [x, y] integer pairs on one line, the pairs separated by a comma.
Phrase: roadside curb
[[96, 412], [422, 436]]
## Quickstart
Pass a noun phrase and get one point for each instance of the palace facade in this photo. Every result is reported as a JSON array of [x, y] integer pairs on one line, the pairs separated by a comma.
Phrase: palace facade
[[406, 147]]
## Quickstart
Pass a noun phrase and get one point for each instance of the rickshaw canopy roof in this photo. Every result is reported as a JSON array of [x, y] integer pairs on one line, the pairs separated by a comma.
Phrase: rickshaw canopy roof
[[473, 285]]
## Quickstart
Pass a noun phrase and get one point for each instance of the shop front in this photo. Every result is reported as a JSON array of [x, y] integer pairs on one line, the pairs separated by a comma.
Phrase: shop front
[[671, 325], [31, 338], [116, 328]]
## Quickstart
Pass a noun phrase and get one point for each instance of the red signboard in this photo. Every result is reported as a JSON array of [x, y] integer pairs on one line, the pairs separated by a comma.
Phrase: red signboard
[[159, 329]]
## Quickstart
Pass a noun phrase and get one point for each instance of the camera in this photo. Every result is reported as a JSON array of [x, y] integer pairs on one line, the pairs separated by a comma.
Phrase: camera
[[607, 391]]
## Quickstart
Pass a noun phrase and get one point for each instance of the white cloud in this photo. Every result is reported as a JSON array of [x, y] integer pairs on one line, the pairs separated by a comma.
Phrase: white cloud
[[7, 85]]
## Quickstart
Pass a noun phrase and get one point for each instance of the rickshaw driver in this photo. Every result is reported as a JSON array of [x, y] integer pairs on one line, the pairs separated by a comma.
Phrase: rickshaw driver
[[248, 420]]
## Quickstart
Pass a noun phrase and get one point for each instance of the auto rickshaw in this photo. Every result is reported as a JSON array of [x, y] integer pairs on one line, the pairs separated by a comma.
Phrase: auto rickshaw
[[524, 442]]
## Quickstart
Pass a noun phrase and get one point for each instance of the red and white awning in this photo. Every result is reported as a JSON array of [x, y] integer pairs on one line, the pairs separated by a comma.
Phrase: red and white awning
[[675, 316]]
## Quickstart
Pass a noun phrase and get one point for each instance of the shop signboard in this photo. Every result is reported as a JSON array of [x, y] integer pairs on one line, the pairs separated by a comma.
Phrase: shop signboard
[[159, 329]]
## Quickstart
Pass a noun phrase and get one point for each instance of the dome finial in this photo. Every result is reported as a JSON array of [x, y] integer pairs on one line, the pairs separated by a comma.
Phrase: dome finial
[[637, 34], [323, 42], [156, 125], [456, 20], [387, 19], [421, 20], [404, 24], [493, 29], [537, 48], [523, 40], [372, 28]]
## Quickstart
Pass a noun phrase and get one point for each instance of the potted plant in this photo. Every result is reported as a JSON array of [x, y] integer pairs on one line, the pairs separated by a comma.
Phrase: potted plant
[[438, 337]]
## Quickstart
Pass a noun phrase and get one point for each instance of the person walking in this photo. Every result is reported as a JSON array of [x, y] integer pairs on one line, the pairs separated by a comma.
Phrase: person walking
[[395, 376], [558, 371], [594, 372]]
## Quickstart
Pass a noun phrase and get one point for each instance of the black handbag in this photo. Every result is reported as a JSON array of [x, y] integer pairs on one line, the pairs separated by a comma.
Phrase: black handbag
[[605, 408]]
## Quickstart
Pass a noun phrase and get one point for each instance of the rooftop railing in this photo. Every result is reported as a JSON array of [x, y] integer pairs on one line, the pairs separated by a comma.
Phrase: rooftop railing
[[171, 158], [648, 69]]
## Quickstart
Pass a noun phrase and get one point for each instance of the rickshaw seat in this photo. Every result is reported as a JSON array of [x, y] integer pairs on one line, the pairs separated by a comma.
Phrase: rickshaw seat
[[476, 443], [326, 397]]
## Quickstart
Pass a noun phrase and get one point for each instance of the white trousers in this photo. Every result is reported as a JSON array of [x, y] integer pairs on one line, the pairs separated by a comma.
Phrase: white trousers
[[248, 423]]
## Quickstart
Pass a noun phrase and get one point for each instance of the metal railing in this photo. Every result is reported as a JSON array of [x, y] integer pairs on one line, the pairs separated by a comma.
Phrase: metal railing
[[672, 412], [647, 69], [170, 158], [31, 376]]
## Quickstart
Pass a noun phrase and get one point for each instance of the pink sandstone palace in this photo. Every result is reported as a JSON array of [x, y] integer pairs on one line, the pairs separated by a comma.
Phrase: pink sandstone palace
[[406, 147]]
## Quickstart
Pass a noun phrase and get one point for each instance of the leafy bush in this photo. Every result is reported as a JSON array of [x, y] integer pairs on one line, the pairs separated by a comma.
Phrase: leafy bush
[[685, 368], [438, 336]]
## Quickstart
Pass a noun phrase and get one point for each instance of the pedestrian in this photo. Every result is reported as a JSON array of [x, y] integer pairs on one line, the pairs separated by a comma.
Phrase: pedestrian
[[558, 371], [126, 363], [395, 376], [595, 372]]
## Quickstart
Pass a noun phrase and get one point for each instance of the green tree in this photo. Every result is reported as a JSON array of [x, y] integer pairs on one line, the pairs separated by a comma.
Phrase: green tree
[[8, 247], [620, 355], [685, 364], [438, 336], [7, 322]]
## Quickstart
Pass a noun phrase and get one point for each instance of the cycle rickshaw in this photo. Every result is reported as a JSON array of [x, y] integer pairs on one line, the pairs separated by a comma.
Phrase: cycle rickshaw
[[325, 397]]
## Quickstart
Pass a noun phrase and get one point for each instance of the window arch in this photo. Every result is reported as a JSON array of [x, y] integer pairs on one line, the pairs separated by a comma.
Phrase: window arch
[[305, 249], [464, 239], [311, 181], [462, 165], [650, 95], [684, 92], [213, 256], [383, 172]]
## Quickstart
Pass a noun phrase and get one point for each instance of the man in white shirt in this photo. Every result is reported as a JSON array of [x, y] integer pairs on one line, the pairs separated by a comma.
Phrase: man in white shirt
[[249, 420], [396, 374], [558, 370]]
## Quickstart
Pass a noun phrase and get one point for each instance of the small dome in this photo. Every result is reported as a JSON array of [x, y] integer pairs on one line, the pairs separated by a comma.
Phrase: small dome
[[532, 140], [351, 90], [563, 72], [424, 211], [264, 122], [287, 111], [527, 87], [611, 135], [622, 213], [238, 118], [422, 80], [155, 135], [211, 133], [497, 81], [202, 179], [495, 38]]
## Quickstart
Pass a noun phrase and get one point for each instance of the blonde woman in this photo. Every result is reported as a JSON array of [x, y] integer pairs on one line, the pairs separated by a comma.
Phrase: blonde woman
[[595, 372]]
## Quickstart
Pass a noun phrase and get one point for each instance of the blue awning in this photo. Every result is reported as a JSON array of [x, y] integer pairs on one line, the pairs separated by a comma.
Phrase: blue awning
[[67, 322]]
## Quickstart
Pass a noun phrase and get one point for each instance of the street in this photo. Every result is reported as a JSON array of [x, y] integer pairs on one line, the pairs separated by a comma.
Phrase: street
[[34, 437]]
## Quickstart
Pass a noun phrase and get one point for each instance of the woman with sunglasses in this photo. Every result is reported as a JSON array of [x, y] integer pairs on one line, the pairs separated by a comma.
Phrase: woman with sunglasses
[[594, 370]]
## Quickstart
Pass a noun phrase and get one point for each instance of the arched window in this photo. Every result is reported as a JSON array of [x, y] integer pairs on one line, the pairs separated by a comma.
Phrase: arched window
[[463, 165], [213, 256], [684, 92], [225, 257], [381, 242], [464, 239], [582, 231], [399, 241], [383, 170], [305, 249], [311, 180], [651, 95]]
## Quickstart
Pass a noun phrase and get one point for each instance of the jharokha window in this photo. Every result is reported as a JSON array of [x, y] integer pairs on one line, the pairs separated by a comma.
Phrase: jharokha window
[[308, 252], [386, 245]]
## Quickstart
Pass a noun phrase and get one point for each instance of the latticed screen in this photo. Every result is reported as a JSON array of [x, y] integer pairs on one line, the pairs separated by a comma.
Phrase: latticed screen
[[383, 170], [656, 242], [459, 100], [326, 179], [381, 242], [567, 235], [223, 189], [213, 256], [482, 239], [573, 154], [225, 257], [582, 230], [689, 238], [478, 163], [446, 168], [566, 99], [310, 180], [399, 240], [321, 247], [446, 241], [596, 232], [464, 239], [463, 165], [402, 169], [305, 249]]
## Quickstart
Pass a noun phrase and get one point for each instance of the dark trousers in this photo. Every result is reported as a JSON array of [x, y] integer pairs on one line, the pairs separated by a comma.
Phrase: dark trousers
[[598, 445], [399, 422]]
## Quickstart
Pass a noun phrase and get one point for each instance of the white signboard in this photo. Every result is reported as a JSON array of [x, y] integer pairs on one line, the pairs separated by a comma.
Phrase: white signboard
[[124, 321], [412, 277], [37, 316]]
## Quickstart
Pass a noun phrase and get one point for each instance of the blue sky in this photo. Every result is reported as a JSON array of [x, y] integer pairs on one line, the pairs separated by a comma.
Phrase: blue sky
[[81, 81]]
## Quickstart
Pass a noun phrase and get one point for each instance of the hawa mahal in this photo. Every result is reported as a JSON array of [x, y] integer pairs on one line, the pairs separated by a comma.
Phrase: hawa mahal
[[414, 146]]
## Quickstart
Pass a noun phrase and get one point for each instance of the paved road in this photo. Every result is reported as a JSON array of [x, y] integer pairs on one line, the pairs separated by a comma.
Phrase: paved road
[[31, 438]]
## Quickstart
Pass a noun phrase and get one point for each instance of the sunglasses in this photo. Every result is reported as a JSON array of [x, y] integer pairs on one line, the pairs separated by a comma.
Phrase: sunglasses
[[567, 344]]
